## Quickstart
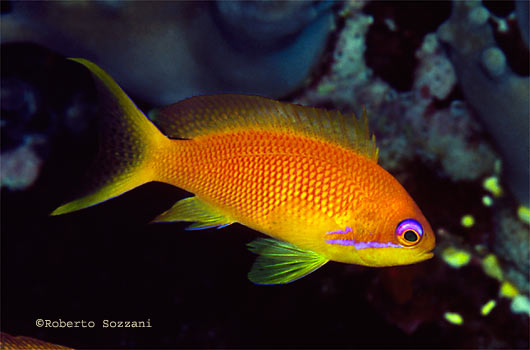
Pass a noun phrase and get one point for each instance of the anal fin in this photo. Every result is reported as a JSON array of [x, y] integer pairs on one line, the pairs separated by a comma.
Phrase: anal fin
[[193, 209], [281, 262]]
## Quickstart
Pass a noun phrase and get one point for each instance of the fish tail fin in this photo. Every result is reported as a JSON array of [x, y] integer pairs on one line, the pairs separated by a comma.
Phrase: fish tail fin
[[128, 144]]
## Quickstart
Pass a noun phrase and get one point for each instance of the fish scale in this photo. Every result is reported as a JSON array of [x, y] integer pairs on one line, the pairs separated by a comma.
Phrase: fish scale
[[249, 175], [260, 176], [306, 177]]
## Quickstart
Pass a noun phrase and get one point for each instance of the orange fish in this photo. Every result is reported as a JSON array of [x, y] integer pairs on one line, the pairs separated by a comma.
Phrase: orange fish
[[8, 342], [306, 177]]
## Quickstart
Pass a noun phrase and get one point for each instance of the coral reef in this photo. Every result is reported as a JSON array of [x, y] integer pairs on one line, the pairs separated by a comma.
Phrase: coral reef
[[20, 168], [20, 162], [433, 124], [163, 52], [511, 242], [107, 262], [494, 88], [407, 124], [34, 115], [265, 25], [496, 92]]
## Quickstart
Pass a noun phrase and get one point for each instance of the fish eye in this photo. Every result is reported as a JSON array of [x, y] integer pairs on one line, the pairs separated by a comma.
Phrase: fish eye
[[409, 232], [411, 236]]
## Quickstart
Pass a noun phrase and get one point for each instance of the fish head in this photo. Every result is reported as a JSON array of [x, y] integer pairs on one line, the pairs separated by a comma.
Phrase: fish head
[[401, 235], [386, 232]]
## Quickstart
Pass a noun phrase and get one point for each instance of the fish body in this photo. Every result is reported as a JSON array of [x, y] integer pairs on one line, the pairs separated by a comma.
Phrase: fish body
[[306, 177], [289, 187], [8, 342]]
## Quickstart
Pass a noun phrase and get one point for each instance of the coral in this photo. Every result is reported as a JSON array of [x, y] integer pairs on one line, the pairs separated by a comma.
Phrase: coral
[[521, 304], [496, 92], [521, 10], [447, 136], [428, 123], [22, 142], [433, 124], [20, 168], [467, 220], [491, 184], [524, 214], [265, 25], [456, 257], [396, 35], [348, 71], [435, 74], [454, 318], [163, 52], [34, 115], [486, 308], [512, 243], [491, 267], [430, 138]]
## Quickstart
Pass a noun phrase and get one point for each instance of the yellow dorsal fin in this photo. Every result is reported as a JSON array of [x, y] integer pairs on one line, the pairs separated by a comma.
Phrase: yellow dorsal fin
[[204, 115]]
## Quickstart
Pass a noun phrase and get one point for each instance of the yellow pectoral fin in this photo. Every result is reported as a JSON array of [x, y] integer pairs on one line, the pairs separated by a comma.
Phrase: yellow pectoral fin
[[281, 262], [193, 209]]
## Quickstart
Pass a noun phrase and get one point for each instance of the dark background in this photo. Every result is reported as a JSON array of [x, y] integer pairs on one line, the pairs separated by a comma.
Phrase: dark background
[[108, 262]]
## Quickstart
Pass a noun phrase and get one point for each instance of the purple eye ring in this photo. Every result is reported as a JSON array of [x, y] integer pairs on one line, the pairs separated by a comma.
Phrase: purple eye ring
[[409, 232]]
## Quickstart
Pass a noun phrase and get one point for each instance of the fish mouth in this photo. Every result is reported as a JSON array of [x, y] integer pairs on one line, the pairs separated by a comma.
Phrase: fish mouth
[[427, 255]]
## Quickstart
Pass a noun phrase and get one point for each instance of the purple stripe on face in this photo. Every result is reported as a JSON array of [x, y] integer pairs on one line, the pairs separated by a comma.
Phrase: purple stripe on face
[[363, 245], [346, 230]]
